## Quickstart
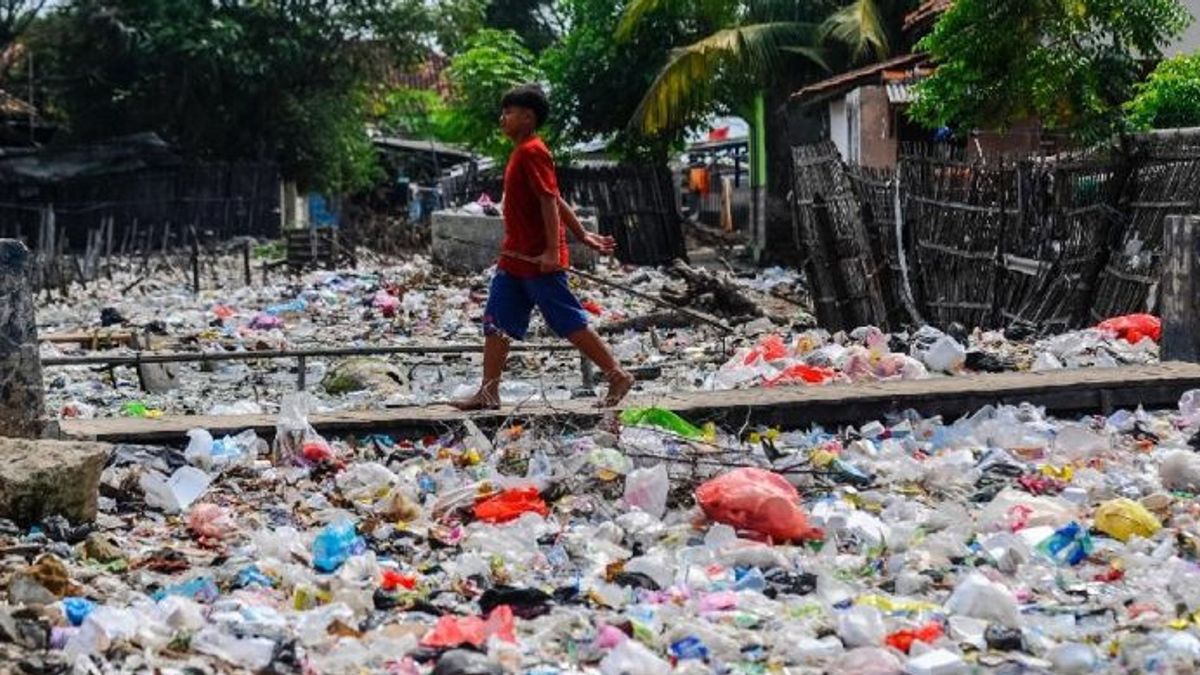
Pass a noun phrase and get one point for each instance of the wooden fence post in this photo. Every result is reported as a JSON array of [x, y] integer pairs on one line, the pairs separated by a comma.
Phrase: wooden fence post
[[21, 387], [1180, 289]]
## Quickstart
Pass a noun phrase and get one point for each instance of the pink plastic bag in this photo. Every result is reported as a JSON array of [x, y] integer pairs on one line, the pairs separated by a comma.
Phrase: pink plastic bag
[[756, 500], [453, 631]]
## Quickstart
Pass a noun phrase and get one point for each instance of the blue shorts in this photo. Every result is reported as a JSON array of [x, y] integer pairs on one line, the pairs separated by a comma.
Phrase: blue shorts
[[511, 300]]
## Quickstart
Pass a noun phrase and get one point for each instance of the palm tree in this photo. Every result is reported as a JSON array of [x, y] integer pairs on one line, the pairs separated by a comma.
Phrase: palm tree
[[748, 44]]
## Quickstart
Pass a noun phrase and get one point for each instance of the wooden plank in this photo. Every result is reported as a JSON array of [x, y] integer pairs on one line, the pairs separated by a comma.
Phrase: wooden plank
[[105, 337], [1074, 392]]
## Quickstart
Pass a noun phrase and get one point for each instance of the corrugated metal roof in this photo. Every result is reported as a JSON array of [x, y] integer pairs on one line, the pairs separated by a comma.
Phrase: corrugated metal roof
[[899, 93]]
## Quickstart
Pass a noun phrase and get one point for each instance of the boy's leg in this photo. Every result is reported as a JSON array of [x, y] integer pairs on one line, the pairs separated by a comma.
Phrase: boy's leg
[[495, 355], [568, 319], [619, 381], [505, 318]]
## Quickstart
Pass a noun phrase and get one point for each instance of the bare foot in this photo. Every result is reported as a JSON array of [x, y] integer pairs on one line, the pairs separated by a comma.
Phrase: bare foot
[[479, 401], [619, 384]]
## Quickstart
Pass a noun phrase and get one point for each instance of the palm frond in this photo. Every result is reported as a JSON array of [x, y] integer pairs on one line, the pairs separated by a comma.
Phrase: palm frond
[[634, 14], [861, 27], [684, 86]]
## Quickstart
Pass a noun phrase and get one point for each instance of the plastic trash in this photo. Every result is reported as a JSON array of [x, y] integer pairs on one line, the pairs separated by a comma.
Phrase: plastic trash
[[174, 494], [1072, 658], [1180, 470], [904, 638], [660, 418], [756, 500], [945, 356], [1124, 518], [1069, 545], [77, 609], [510, 504], [455, 631], [861, 626], [466, 662], [1133, 328], [868, 661], [210, 521], [632, 658], [980, 598], [801, 373], [647, 489], [334, 544], [936, 662]]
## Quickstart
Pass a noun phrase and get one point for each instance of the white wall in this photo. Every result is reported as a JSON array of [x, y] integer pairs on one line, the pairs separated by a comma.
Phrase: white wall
[[839, 126], [1190, 42]]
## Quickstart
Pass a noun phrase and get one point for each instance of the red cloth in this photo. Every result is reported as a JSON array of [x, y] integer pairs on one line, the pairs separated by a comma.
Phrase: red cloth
[[529, 176]]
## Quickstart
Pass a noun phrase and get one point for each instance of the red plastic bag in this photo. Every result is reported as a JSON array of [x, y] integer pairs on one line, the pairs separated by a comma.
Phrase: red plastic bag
[[393, 580], [1133, 327], [592, 307], [772, 348], [903, 639], [510, 504], [453, 631], [756, 500], [802, 373]]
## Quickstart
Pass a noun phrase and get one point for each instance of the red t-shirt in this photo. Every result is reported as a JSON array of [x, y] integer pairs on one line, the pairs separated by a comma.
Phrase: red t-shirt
[[529, 175]]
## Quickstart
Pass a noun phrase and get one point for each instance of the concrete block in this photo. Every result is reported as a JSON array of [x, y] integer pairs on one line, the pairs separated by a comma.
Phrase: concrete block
[[485, 234]]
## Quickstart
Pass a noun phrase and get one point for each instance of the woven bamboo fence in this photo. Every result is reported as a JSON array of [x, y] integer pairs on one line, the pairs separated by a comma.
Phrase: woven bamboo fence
[[1053, 243]]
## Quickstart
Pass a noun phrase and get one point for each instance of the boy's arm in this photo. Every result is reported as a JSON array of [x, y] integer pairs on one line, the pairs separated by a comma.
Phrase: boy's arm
[[549, 260], [601, 243]]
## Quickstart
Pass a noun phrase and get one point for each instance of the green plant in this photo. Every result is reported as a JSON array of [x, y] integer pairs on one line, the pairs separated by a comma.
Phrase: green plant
[[1170, 97], [492, 62], [1070, 63]]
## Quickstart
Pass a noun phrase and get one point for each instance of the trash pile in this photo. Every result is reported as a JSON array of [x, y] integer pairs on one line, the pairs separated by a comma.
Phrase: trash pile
[[1005, 539], [412, 303]]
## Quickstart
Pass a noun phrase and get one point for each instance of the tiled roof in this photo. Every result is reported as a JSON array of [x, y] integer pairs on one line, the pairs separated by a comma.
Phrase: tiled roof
[[855, 78]]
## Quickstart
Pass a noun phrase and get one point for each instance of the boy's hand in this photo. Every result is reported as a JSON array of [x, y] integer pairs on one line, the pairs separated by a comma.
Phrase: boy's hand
[[548, 261], [600, 243]]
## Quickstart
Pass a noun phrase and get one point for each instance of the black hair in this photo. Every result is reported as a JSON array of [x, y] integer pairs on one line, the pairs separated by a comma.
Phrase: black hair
[[530, 97]]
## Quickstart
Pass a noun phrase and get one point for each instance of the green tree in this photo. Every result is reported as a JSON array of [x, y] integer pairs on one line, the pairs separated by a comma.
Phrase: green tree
[[492, 62], [534, 21], [280, 80], [457, 20], [1170, 97], [16, 17], [1070, 63], [597, 82]]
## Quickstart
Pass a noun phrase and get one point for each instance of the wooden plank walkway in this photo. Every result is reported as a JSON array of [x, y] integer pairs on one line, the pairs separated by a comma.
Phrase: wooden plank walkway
[[1066, 393]]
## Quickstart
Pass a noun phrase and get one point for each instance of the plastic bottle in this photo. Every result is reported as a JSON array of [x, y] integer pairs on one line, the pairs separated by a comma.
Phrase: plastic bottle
[[334, 544], [632, 658]]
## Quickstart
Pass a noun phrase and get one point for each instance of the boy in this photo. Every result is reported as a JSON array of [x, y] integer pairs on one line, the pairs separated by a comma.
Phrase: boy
[[534, 215]]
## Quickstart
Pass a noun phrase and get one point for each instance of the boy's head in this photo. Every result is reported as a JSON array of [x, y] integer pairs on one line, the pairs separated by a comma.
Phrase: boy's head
[[522, 110]]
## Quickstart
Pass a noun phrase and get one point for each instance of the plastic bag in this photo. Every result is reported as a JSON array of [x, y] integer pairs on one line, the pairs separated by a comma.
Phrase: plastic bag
[[633, 658], [756, 500], [802, 373], [770, 348], [454, 631], [981, 598], [510, 505], [295, 439], [647, 490], [1123, 518], [1133, 328], [905, 637], [209, 521], [334, 544], [1069, 545], [660, 419], [860, 626]]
